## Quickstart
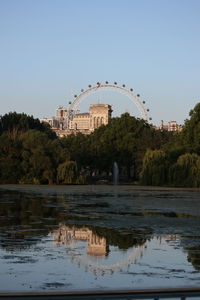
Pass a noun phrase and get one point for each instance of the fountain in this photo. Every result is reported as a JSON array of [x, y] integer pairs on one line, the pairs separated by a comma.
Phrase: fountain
[[115, 173]]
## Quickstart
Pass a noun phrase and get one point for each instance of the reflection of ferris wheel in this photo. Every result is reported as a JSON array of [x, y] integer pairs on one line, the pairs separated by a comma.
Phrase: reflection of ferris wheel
[[136, 253], [135, 98], [97, 246]]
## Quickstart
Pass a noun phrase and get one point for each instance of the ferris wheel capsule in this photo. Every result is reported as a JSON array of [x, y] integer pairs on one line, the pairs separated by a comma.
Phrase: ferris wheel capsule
[[150, 119], [143, 102], [123, 85], [138, 95], [106, 82], [89, 85], [131, 90], [115, 83], [147, 109], [70, 102], [82, 90], [75, 96]]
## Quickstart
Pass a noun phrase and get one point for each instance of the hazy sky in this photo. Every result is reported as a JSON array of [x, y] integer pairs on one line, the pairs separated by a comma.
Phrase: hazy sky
[[51, 49]]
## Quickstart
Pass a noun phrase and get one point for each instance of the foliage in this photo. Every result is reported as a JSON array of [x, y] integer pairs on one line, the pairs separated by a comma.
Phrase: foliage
[[124, 140], [191, 131], [155, 168], [67, 172], [186, 172], [31, 153], [15, 124]]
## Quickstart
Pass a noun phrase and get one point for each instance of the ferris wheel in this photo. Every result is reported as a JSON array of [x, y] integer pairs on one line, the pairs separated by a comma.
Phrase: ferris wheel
[[122, 89]]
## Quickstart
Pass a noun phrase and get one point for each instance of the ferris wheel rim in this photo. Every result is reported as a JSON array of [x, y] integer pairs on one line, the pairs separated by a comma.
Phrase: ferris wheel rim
[[110, 86]]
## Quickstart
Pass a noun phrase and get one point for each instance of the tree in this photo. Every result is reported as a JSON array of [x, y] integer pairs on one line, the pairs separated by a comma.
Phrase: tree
[[186, 172], [14, 124], [191, 131], [155, 168], [10, 160], [125, 140], [67, 172], [37, 161], [77, 146]]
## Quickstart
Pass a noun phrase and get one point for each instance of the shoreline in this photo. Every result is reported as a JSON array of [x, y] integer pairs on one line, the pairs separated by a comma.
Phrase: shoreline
[[91, 189]]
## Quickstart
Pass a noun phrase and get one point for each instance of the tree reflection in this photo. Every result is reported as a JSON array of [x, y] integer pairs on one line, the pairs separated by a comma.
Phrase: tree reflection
[[194, 256], [26, 217], [122, 238], [97, 241]]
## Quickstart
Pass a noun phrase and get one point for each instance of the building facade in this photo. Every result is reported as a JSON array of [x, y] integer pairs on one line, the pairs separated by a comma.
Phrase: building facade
[[99, 114], [85, 123], [170, 126]]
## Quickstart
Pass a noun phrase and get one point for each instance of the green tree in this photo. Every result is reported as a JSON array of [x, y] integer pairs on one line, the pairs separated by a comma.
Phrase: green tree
[[155, 168], [67, 172], [77, 146], [124, 140], [37, 161], [186, 172], [191, 131], [10, 160], [16, 123]]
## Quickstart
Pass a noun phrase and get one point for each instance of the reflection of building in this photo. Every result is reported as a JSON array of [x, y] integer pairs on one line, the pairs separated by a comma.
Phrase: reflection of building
[[169, 238], [96, 245], [99, 114]]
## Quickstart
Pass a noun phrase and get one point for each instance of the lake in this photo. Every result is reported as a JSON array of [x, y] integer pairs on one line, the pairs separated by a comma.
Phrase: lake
[[66, 238]]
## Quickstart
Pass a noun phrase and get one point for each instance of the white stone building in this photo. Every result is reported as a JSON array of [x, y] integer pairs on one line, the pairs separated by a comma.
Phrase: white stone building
[[99, 114], [170, 126]]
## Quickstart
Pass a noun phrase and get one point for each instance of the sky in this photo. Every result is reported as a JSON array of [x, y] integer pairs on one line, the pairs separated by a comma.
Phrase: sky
[[51, 49]]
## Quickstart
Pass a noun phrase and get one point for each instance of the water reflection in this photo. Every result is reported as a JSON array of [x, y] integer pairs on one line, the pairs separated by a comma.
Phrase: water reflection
[[130, 240], [25, 218], [96, 245], [194, 256]]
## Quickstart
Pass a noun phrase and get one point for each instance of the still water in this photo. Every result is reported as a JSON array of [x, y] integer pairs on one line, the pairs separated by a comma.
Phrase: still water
[[98, 237]]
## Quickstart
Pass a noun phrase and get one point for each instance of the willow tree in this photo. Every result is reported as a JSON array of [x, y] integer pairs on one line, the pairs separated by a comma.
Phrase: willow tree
[[67, 172], [154, 168], [186, 172], [37, 163]]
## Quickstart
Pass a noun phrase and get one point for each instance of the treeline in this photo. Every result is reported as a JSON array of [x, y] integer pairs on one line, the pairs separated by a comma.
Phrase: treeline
[[176, 163], [30, 152]]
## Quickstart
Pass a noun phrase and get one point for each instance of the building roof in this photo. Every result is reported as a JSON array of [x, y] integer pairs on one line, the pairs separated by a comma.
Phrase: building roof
[[82, 114]]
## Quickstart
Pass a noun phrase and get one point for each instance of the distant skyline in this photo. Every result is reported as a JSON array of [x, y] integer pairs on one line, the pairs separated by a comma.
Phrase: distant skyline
[[51, 49]]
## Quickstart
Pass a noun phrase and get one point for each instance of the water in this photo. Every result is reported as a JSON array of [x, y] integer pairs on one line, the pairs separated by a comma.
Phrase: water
[[98, 237]]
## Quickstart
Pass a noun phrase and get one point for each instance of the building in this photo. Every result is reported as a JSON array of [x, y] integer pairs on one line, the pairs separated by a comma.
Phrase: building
[[67, 122], [62, 124], [170, 126], [99, 114], [53, 122]]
